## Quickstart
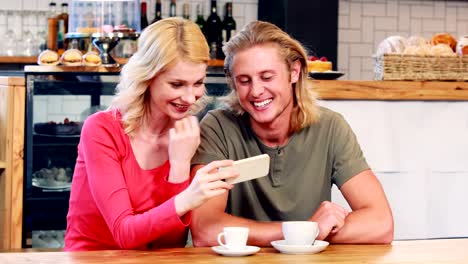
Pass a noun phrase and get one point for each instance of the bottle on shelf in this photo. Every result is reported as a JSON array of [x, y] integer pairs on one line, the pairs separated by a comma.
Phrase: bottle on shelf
[[62, 28], [52, 27], [143, 16], [213, 32], [200, 21], [186, 11], [172, 8], [229, 24], [157, 13]]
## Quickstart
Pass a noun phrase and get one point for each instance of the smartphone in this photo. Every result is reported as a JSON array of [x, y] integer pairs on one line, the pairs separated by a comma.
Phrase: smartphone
[[249, 168]]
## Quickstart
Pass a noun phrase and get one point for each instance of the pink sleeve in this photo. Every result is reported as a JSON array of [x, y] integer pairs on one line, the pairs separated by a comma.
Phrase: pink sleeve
[[99, 142]]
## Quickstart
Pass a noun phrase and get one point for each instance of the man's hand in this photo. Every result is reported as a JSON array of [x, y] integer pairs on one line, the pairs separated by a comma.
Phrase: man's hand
[[330, 218]]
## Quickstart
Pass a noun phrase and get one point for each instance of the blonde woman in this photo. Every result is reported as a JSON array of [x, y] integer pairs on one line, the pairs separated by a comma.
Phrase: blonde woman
[[131, 187], [271, 110]]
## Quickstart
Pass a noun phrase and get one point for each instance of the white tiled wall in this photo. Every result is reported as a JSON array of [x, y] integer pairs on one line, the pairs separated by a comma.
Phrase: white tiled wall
[[56, 108], [244, 11], [363, 24]]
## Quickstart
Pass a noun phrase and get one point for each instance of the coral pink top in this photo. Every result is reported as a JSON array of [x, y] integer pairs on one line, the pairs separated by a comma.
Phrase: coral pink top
[[114, 203]]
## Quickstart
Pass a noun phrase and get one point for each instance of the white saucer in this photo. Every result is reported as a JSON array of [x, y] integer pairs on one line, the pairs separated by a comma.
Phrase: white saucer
[[282, 247], [249, 250]]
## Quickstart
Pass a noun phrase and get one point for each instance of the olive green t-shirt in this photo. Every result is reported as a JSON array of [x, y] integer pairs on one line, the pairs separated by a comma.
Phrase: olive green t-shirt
[[301, 172]]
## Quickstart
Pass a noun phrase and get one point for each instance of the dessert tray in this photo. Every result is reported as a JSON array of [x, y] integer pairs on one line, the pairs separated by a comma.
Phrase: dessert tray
[[328, 75], [51, 185], [53, 178]]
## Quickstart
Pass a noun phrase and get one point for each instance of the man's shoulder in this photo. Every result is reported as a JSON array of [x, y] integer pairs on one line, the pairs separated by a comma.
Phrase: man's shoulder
[[327, 114], [326, 118], [221, 116]]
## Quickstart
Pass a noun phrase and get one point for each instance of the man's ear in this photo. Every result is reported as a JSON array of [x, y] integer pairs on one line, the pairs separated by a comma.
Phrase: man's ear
[[295, 71]]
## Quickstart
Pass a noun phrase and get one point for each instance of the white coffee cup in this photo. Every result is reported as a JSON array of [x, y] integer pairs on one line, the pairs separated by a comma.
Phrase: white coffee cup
[[235, 238], [300, 232]]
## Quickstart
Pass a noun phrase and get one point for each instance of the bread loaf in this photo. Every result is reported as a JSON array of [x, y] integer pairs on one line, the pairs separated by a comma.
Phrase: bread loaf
[[444, 38], [393, 44]]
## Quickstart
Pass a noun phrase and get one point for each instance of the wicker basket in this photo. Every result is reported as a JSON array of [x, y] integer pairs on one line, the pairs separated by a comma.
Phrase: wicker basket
[[420, 68]]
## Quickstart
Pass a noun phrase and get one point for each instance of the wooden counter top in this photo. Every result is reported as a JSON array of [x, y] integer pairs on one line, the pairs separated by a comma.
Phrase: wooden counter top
[[391, 90], [33, 60], [418, 251], [341, 89]]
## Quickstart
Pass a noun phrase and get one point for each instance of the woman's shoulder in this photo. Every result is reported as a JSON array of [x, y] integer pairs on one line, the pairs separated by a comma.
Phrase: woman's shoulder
[[110, 119]]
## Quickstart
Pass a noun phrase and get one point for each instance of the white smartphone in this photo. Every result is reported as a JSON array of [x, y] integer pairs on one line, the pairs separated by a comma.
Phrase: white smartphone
[[249, 168]]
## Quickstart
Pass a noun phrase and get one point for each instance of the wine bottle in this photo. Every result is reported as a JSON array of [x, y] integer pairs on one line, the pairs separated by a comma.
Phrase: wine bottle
[[52, 27], [62, 28], [213, 32], [172, 8], [157, 13], [229, 24], [143, 16], [200, 21], [186, 11]]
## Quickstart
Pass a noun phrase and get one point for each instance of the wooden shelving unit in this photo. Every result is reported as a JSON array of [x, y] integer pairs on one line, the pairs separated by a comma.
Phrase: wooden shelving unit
[[390, 90], [12, 113]]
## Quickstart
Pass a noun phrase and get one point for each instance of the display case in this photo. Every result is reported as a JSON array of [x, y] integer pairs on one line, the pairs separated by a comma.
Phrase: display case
[[97, 16], [58, 100], [105, 24]]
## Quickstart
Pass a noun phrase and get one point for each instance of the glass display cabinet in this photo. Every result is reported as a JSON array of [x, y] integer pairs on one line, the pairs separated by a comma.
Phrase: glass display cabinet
[[106, 22], [58, 100]]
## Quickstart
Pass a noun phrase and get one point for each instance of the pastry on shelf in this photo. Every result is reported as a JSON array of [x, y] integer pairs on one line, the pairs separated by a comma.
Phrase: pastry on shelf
[[315, 64], [71, 57], [52, 128], [92, 59], [391, 45], [52, 178], [444, 38], [48, 57]]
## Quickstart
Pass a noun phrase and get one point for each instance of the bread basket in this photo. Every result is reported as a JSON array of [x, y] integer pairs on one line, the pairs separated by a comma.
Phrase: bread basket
[[420, 67]]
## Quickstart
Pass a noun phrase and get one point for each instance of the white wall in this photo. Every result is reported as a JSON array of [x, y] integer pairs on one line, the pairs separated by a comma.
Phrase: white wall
[[244, 11], [363, 24], [419, 152]]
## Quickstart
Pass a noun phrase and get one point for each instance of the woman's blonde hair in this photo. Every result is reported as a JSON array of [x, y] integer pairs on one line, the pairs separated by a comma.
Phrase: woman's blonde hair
[[159, 47], [305, 109]]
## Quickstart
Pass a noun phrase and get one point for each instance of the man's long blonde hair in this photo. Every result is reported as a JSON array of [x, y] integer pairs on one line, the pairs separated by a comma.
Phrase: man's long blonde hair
[[160, 46], [305, 109]]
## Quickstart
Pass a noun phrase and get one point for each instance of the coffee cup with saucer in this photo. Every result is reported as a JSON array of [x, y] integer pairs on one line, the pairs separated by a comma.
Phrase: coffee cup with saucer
[[300, 238], [235, 244]]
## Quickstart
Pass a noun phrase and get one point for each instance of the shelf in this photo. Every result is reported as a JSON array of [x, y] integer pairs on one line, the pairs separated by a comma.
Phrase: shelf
[[122, 61], [73, 87], [18, 59], [391, 90]]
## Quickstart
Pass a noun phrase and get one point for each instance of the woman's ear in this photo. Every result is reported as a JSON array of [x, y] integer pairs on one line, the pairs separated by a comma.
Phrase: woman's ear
[[295, 71]]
